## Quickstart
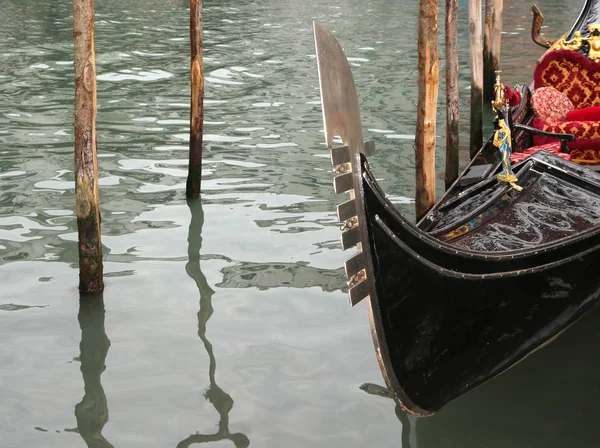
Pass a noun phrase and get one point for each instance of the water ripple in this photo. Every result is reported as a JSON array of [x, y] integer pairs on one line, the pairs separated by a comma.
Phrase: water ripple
[[290, 354]]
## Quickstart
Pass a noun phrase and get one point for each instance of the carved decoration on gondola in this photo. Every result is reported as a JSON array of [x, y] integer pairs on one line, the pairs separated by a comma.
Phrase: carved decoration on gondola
[[536, 27], [577, 43], [499, 95], [502, 141], [502, 136]]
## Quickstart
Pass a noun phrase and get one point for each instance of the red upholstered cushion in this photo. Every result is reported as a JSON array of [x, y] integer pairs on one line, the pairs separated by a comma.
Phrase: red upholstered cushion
[[550, 105], [585, 114], [572, 74], [554, 148], [585, 155], [582, 130]]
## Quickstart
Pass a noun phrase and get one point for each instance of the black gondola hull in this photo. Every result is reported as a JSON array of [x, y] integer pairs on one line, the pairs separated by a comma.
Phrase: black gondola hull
[[489, 275], [440, 332]]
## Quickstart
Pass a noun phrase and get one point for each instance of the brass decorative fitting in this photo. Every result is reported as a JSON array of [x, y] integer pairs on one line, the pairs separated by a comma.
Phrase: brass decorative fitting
[[357, 278], [342, 168], [349, 224]]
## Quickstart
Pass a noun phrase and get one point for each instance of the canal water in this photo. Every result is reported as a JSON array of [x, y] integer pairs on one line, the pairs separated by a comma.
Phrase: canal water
[[225, 321]]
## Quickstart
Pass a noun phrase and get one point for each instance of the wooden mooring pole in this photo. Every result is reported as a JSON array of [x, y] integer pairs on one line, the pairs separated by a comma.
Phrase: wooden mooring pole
[[86, 162], [476, 53], [452, 105], [197, 102], [492, 36], [427, 106]]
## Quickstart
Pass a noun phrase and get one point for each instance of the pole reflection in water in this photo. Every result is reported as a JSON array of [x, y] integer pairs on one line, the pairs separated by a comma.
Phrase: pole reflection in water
[[221, 401], [92, 412]]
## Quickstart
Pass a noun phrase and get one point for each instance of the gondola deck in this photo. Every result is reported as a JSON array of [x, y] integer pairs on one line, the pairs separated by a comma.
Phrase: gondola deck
[[554, 204]]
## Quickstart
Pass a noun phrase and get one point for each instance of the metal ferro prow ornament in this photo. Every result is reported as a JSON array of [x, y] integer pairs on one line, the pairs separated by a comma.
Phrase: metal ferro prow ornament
[[502, 136], [341, 117]]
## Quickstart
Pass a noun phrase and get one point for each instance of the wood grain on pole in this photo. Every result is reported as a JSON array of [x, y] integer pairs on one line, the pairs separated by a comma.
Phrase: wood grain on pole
[[476, 53], [492, 37], [86, 163], [427, 106], [452, 104], [197, 101]]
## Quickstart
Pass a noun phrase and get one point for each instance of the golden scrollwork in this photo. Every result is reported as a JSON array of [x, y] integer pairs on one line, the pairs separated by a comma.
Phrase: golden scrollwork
[[577, 42], [594, 40], [572, 44]]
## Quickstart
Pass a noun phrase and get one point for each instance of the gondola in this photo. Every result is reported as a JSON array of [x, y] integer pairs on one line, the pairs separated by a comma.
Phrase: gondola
[[505, 261]]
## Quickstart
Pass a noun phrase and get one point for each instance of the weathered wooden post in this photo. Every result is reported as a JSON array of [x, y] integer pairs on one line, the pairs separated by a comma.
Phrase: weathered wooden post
[[197, 102], [86, 163], [452, 105], [492, 36], [427, 105], [476, 53]]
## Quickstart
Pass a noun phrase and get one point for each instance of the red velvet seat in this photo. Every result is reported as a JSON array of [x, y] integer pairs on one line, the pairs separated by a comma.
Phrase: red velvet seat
[[571, 73]]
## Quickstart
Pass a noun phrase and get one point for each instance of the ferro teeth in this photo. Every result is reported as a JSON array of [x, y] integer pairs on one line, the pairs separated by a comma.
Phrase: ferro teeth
[[369, 148], [342, 168], [357, 278], [342, 183], [346, 210], [340, 155], [349, 224]]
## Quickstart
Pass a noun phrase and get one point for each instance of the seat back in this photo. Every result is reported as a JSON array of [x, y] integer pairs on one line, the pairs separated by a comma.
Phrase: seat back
[[571, 73]]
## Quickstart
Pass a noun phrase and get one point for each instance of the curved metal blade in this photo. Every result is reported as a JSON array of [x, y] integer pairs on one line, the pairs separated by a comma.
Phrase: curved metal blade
[[341, 115]]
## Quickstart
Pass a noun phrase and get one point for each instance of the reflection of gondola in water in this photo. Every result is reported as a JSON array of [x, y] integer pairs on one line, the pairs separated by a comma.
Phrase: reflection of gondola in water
[[92, 412], [221, 401]]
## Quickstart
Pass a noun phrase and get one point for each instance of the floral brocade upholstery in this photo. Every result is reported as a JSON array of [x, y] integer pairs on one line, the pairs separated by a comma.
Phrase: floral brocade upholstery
[[578, 78], [580, 129], [571, 73], [554, 148], [585, 150], [550, 104]]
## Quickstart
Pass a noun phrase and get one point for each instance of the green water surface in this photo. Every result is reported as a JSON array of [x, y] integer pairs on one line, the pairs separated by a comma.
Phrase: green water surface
[[224, 321]]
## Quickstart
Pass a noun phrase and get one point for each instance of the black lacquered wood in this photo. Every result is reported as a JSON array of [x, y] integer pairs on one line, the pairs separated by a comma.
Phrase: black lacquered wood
[[447, 318]]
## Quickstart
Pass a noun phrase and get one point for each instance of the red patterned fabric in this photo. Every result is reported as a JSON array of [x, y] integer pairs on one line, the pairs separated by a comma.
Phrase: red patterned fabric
[[550, 105], [585, 114], [587, 130], [583, 155], [571, 73], [585, 150], [578, 78], [554, 148]]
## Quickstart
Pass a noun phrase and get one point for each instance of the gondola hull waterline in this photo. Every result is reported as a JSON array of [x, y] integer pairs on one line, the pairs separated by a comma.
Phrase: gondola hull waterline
[[492, 273]]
